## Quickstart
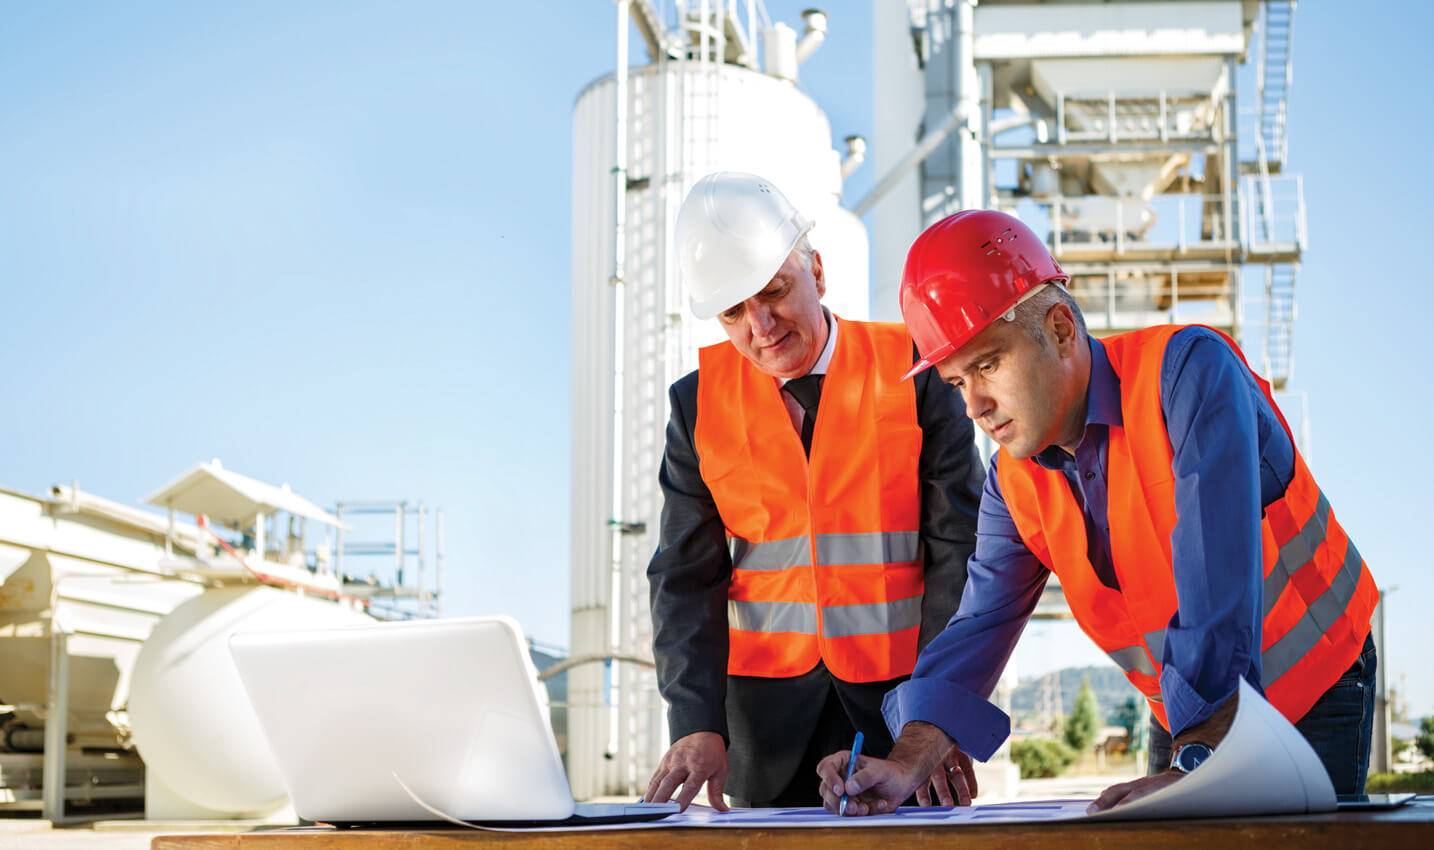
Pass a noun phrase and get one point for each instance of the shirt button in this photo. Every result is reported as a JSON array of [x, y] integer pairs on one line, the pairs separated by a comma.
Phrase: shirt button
[[1090, 476]]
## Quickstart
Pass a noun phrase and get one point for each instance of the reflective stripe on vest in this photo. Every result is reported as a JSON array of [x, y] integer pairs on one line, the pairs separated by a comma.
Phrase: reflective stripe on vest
[[826, 555], [880, 547], [795, 617], [1319, 616], [873, 618], [1318, 593]]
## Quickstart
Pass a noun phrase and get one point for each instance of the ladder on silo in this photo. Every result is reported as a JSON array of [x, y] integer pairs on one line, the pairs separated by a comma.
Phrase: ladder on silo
[[1279, 322], [1275, 73]]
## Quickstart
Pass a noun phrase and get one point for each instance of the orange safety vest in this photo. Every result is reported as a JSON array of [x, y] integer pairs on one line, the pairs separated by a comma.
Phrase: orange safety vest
[[827, 561], [1318, 593]]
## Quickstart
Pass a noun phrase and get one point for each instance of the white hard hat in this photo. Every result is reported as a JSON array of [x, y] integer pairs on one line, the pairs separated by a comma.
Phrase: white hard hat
[[733, 233]]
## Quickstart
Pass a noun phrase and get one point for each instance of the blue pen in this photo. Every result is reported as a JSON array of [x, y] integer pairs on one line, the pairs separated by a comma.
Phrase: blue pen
[[850, 766]]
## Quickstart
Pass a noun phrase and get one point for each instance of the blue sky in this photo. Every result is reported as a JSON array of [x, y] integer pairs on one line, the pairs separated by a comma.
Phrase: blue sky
[[329, 243]]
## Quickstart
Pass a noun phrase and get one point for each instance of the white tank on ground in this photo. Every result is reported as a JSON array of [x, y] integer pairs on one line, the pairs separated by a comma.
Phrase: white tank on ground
[[204, 753]]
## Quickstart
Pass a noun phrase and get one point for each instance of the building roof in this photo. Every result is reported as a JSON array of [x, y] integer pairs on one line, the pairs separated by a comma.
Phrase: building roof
[[233, 499]]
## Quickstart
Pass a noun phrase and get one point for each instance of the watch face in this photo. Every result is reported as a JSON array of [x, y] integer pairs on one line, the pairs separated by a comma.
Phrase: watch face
[[1190, 756]]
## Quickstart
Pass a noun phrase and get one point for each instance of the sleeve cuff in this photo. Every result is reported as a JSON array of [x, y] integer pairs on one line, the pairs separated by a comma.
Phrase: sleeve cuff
[[1184, 707], [680, 724], [974, 723]]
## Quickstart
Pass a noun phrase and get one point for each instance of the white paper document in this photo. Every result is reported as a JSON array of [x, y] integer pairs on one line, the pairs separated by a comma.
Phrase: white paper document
[[1264, 766]]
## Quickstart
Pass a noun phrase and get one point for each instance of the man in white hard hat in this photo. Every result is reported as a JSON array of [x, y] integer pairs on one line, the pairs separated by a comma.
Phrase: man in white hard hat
[[818, 513]]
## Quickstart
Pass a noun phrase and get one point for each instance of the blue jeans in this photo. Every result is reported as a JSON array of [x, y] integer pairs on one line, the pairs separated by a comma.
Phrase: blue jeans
[[1339, 727]]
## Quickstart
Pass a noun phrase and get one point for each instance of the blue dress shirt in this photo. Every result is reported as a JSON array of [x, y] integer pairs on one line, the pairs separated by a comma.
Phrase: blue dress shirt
[[1232, 457]]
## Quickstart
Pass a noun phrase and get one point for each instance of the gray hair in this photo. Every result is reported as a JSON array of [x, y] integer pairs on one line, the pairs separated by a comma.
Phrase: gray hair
[[804, 249], [1031, 313]]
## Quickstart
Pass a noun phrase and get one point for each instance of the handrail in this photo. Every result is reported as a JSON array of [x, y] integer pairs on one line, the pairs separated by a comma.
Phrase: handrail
[[276, 581], [578, 660]]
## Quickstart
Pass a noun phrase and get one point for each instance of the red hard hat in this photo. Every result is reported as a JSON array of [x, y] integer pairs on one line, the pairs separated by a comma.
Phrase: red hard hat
[[963, 272]]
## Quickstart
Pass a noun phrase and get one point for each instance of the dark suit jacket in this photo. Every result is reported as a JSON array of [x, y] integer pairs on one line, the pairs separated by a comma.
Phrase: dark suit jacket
[[768, 723]]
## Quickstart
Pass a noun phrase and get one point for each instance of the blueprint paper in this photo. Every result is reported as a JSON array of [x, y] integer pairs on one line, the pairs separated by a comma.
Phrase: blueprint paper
[[1264, 766], [697, 816]]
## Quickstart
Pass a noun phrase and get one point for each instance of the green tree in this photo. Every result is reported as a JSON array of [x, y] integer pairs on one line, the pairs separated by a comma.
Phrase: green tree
[[1425, 740], [1127, 714], [1041, 757], [1081, 725]]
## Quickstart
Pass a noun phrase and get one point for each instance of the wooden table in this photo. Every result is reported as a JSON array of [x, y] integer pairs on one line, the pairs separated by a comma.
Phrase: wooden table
[[1408, 828]]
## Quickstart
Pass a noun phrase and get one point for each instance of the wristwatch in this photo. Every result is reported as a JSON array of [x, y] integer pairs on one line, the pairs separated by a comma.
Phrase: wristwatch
[[1187, 757]]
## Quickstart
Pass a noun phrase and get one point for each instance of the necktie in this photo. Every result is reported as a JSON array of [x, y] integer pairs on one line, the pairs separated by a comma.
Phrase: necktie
[[807, 390]]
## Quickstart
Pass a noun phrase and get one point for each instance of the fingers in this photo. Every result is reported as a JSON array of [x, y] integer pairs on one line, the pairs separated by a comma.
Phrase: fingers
[[832, 769], [650, 795], [671, 778], [953, 781], [963, 791], [869, 773], [949, 780], [871, 791], [1111, 796], [963, 763], [691, 761], [868, 804], [689, 791], [946, 780], [831, 776], [715, 784]]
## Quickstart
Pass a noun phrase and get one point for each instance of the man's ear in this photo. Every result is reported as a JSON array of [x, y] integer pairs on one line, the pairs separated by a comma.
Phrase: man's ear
[[1061, 327], [817, 273]]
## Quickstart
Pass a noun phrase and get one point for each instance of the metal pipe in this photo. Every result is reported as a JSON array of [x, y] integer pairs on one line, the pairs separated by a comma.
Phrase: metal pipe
[[855, 155], [815, 34], [1010, 122], [398, 524], [1103, 151], [619, 344], [339, 543], [930, 142], [438, 564], [971, 194], [579, 660], [56, 718]]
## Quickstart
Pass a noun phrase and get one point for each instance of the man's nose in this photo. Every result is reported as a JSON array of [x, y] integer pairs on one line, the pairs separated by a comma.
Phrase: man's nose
[[978, 403], [759, 318]]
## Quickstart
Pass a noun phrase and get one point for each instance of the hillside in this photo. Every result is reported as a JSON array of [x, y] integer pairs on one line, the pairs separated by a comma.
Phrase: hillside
[[1109, 684]]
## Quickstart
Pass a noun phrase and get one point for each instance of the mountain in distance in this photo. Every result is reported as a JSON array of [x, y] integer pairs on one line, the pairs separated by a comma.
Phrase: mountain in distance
[[1109, 685]]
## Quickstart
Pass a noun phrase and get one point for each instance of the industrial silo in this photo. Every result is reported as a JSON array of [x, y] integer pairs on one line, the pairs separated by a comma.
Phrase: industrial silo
[[642, 136]]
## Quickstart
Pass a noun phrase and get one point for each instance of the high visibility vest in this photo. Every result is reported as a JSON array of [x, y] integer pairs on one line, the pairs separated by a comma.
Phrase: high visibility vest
[[827, 561], [1318, 593]]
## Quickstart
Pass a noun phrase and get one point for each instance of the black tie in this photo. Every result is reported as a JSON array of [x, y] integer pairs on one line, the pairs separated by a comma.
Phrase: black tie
[[807, 390]]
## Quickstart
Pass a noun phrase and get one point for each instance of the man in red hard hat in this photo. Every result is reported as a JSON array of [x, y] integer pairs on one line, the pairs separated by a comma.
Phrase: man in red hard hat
[[1154, 475], [818, 513]]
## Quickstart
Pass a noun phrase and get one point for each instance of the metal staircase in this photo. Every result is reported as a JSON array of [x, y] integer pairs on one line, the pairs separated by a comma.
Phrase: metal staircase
[[1280, 322], [1273, 77]]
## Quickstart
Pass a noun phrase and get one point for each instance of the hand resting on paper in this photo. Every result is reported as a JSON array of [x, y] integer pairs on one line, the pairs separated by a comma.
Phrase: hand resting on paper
[[1209, 732], [924, 760], [689, 762]]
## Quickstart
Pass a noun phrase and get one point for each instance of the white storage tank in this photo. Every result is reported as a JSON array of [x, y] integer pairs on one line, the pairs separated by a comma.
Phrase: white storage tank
[[684, 119], [204, 753]]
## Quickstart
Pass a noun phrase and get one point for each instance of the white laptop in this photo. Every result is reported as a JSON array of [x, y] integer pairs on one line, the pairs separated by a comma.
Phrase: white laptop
[[452, 709]]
